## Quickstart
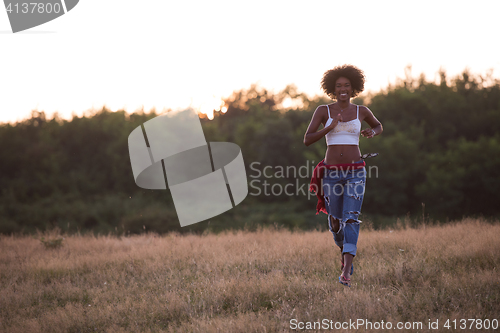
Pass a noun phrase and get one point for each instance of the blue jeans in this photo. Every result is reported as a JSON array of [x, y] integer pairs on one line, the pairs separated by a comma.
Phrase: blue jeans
[[344, 191]]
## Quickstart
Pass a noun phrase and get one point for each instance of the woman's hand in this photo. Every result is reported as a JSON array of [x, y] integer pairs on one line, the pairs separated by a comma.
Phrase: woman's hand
[[368, 133], [320, 116], [335, 121]]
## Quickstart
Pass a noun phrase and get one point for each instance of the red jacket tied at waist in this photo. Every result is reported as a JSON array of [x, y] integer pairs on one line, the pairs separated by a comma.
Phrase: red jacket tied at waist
[[318, 173]]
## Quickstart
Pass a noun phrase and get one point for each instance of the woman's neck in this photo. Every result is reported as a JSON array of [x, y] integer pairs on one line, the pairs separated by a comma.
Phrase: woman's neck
[[343, 104]]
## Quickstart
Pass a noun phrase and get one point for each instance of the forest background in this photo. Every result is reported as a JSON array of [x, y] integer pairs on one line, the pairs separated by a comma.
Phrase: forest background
[[439, 160]]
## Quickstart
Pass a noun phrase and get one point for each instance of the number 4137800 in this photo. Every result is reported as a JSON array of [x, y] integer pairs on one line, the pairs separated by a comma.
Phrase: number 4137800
[[34, 7], [477, 324]]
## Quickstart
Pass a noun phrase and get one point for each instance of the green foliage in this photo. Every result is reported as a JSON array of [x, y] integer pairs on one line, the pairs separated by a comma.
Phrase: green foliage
[[465, 179], [439, 148]]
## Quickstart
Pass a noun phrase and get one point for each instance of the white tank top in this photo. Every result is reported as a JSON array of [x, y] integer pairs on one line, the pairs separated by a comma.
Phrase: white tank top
[[345, 133]]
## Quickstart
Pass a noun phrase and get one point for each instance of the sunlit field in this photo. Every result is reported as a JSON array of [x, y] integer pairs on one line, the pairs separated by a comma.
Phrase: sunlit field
[[267, 281]]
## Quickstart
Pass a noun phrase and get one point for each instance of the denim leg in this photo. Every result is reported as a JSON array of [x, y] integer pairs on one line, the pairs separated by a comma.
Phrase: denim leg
[[353, 199], [351, 233], [333, 193], [339, 238]]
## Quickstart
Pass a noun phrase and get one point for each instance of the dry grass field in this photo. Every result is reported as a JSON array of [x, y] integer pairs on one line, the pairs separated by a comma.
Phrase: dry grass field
[[251, 282]]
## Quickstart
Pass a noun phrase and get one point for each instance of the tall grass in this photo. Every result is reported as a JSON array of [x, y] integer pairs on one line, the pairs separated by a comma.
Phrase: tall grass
[[248, 282]]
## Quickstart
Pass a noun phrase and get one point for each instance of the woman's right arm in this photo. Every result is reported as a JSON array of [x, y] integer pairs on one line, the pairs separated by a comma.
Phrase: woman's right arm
[[311, 135]]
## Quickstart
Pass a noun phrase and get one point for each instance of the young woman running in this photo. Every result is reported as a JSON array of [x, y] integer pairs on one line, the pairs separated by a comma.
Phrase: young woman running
[[342, 171]]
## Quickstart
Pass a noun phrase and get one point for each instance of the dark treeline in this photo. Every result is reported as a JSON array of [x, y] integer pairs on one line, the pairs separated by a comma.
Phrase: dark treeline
[[439, 158]]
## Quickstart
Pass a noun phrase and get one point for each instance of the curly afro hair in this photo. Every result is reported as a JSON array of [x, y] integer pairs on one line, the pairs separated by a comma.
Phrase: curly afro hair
[[352, 73]]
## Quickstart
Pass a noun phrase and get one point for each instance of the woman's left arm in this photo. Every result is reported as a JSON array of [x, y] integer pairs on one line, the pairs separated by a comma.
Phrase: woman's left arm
[[375, 125]]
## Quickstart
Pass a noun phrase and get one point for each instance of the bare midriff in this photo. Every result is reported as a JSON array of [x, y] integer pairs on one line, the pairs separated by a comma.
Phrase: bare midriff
[[342, 154]]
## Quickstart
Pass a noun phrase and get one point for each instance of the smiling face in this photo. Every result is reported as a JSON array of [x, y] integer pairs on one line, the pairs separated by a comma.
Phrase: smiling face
[[343, 89]]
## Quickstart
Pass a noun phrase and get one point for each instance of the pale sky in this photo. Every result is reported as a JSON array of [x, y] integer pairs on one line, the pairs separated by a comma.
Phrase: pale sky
[[173, 54]]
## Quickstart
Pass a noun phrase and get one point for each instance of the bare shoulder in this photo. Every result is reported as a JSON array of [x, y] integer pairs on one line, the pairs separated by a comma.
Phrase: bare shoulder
[[322, 109], [365, 112], [321, 112], [367, 115]]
